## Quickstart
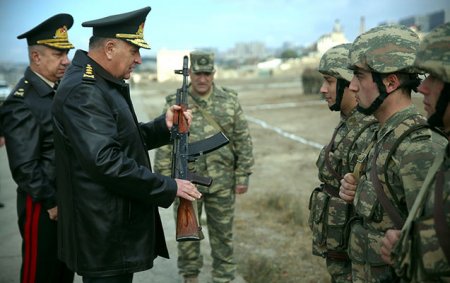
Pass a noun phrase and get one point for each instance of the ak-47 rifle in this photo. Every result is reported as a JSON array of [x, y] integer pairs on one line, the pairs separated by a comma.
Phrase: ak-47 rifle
[[188, 225]]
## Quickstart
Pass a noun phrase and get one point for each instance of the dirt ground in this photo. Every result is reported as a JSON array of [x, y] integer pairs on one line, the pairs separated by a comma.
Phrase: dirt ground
[[272, 237]]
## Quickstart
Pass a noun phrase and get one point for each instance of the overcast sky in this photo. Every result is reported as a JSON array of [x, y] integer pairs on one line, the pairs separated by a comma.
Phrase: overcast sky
[[209, 23]]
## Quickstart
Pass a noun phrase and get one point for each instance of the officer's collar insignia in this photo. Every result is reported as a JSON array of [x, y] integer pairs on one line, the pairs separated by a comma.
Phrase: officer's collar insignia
[[88, 73], [19, 92]]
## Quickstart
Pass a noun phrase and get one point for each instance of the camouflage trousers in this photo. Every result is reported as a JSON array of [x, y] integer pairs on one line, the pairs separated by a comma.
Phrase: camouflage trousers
[[219, 209]]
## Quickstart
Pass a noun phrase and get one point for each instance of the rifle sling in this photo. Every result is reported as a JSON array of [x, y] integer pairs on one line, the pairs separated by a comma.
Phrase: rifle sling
[[390, 209], [330, 168], [382, 197], [360, 163], [332, 191], [421, 196], [213, 122], [441, 226]]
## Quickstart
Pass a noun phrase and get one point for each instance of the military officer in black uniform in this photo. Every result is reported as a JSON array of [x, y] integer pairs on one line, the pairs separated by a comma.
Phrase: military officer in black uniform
[[109, 225], [27, 125]]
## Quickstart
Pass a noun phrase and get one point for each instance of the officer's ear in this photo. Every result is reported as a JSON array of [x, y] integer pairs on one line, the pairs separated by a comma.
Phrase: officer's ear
[[34, 54], [109, 48]]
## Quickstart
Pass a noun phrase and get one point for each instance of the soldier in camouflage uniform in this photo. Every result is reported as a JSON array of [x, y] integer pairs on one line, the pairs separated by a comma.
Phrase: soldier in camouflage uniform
[[214, 109], [328, 212], [404, 148], [423, 251]]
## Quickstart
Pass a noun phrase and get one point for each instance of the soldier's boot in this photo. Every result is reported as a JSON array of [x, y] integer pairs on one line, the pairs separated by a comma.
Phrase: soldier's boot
[[190, 279]]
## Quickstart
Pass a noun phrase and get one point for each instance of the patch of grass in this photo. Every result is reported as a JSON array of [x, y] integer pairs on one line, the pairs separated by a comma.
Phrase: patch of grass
[[261, 268], [290, 209]]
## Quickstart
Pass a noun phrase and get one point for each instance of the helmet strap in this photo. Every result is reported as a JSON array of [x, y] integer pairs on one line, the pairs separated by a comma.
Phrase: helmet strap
[[376, 77], [437, 118], [341, 84]]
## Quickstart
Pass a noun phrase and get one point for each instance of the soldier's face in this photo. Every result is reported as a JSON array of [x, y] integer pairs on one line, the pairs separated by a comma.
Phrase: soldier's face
[[365, 88], [50, 63], [431, 88], [201, 82], [328, 89], [125, 57]]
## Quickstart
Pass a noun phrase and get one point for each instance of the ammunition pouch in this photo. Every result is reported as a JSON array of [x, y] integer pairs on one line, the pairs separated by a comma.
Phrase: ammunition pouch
[[367, 204], [364, 245], [328, 218]]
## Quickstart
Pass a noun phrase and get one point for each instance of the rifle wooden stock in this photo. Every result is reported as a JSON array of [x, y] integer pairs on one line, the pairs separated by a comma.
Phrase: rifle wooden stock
[[188, 228]]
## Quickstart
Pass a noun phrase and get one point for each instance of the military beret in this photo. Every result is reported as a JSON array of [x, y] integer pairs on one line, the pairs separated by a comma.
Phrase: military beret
[[51, 32], [202, 62], [127, 26]]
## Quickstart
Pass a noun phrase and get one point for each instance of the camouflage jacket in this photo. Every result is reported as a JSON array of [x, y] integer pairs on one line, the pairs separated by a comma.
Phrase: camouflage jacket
[[401, 173], [420, 257], [352, 136], [231, 162], [329, 214]]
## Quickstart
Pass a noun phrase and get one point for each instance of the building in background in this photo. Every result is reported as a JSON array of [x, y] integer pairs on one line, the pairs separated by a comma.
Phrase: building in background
[[167, 61], [425, 23]]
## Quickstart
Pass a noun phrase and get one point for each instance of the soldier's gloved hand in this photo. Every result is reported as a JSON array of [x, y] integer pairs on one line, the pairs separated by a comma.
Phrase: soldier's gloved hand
[[389, 240], [187, 190], [347, 190]]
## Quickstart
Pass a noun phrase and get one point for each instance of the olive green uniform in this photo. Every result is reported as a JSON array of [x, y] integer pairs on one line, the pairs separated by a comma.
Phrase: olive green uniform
[[228, 166]]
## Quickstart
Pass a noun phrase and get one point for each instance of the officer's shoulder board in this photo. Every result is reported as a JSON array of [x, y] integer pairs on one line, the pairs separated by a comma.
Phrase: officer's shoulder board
[[88, 74], [21, 88]]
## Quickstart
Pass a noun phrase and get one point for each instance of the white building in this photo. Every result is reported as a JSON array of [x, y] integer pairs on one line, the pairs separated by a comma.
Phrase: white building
[[332, 39], [167, 61]]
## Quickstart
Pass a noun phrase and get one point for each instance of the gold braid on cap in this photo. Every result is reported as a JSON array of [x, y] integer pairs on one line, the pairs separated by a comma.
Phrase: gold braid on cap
[[60, 40], [139, 34], [135, 38]]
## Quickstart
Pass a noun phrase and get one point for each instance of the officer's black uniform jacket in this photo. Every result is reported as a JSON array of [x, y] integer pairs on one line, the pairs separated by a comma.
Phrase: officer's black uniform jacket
[[108, 197], [27, 126]]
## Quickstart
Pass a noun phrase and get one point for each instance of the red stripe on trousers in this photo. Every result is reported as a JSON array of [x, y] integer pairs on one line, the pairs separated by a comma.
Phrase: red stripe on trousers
[[30, 240]]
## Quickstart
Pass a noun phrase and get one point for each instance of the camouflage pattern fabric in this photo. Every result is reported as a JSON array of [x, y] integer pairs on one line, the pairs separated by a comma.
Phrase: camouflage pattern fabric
[[202, 61], [348, 144], [401, 177], [334, 62], [329, 214], [227, 166], [433, 54], [385, 49], [419, 257]]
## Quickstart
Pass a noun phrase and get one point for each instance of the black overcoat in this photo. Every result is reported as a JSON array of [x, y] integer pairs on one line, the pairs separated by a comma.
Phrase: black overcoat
[[108, 197]]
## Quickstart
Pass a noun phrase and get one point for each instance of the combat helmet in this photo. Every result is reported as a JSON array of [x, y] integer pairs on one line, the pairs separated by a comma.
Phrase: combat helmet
[[433, 54], [383, 50], [334, 63], [433, 57]]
